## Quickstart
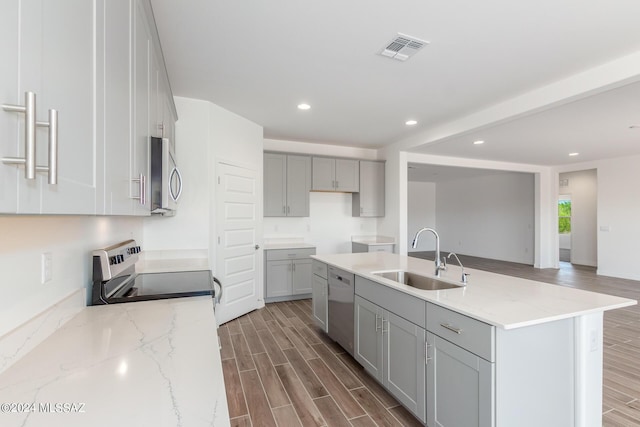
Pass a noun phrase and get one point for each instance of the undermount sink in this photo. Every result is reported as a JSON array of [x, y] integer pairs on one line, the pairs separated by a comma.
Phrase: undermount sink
[[416, 280]]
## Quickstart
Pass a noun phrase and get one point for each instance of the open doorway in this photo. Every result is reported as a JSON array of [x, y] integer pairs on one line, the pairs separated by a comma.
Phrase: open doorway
[[578, 218]]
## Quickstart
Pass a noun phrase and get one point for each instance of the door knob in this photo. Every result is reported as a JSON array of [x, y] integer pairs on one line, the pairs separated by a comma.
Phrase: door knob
[[257, 247]]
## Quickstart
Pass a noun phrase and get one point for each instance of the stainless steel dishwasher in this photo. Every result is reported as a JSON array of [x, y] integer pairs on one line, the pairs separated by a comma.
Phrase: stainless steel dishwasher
[[341, 294]]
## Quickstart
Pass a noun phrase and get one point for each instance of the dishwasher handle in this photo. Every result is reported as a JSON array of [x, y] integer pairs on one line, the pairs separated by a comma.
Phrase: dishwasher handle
[[334, 276]]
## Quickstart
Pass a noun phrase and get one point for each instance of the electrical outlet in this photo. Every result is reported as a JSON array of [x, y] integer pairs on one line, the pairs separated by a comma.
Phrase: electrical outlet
[[46, 267]]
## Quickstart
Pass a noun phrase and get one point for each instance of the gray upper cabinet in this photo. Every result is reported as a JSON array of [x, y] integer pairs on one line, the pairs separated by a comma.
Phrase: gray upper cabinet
[[335, 175], [49, 52], [287, 182], [369, 202]]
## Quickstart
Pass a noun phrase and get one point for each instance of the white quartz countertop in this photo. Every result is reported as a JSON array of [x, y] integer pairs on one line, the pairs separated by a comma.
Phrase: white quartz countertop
[[503, 301], [152, 363], [292, 245], [373, 240]]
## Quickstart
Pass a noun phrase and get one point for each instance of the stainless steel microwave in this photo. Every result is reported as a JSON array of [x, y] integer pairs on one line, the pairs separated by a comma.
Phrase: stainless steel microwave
[[166, 181]]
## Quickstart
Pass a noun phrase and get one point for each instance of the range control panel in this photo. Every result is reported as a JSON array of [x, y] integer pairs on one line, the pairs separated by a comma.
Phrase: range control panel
[[116, 258]]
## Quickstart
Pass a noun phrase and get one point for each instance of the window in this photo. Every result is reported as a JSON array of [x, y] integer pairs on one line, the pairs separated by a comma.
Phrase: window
[[564, 215]]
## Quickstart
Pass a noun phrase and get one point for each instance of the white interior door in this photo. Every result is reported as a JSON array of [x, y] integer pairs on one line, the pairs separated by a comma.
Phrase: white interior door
[[237, 249]]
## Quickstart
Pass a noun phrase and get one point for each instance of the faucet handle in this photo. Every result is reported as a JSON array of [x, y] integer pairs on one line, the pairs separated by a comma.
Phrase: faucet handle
[[464, 277], [444, 263]]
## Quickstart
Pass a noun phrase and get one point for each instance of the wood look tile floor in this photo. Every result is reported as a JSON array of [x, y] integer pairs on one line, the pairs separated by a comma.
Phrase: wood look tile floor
[[280, 370], [621, 382]]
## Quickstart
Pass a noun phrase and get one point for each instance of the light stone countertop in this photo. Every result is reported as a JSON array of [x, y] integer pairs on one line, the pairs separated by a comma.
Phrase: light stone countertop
[[503, 301], [293, 245], [152, 363], [373, 240]]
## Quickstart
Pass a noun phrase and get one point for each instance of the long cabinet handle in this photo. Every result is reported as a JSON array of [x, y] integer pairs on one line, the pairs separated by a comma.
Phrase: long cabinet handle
[[142, 182], [29, 111], [30, 123], [451, 328], [52, 169], [377, 318]]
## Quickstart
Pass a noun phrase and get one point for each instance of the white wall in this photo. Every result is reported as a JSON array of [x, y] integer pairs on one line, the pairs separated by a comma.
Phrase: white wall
[[582, 188], [421, 212], [330, 224], [489, 216], [70, 240]]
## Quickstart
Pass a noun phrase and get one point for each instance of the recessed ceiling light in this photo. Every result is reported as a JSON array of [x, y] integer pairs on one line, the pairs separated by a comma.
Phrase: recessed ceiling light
[[304, 106], [574, 154], [411, 123], [478, 142]]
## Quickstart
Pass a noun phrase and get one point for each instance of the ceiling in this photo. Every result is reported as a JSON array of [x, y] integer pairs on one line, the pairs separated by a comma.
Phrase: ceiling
[[260, 59]]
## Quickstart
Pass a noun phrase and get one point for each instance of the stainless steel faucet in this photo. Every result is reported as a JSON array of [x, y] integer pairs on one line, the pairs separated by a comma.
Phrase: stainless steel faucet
[[464, 275], [440, 265]]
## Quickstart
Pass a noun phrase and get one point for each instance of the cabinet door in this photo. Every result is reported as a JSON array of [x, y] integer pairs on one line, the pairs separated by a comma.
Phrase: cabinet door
[[460, 386], [67, 85], [371, 196], [319, 301], [302, 272], [368, 336], [141, 113], [115, 71], [279, 278], [275, 185], [298, 185], [404, 363], [10, 143], [324, 174], [347, 175]]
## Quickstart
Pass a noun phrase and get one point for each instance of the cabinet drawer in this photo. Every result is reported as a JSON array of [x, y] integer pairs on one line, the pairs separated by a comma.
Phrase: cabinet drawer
[[280, 254], [319, 269], [381, 248], [470, 334], [397, 302]]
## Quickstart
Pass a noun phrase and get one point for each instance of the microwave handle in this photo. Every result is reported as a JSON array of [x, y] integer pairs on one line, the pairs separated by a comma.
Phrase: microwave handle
[[175, 172]]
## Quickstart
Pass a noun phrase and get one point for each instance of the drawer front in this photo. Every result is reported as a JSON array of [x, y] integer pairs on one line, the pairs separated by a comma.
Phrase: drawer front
[[381, 248], [470, 334], [282, 254], [320, 269], [397, 302]]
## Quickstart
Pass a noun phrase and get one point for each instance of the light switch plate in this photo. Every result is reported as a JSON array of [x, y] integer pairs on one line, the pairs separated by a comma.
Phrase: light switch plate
[[47, 260]]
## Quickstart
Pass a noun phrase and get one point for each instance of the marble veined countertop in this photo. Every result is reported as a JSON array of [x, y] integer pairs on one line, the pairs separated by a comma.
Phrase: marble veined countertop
[[152, 363], [503, 301]]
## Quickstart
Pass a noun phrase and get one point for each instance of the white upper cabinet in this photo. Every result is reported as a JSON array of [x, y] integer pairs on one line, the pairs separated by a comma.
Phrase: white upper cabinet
[[131, 103], [97, 64], [50, 52]]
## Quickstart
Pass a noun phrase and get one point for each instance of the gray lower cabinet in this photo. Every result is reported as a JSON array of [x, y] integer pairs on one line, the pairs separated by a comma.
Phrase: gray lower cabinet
[[287, 182], [460, 386], [392, 350], [288, 274], [364, 247], [319, 295]]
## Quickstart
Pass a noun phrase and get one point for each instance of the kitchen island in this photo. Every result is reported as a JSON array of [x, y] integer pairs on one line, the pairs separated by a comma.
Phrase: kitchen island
[[150, 363], [501, 351]]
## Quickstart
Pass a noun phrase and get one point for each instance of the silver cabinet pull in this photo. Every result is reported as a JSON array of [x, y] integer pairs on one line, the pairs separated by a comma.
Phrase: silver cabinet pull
[[426, 353], [288, 209], [377, 318], [384, 331], [29, 159], [30, 123], [142, 181], [294, 266], [52, 169], [284, 209], [451, 328]]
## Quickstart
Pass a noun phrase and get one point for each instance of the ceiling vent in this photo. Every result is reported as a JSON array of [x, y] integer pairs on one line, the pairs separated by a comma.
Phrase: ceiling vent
[[403, 47]]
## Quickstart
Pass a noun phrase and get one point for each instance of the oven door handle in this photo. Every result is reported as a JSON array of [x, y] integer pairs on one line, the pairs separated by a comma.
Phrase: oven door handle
[[217, 295]]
